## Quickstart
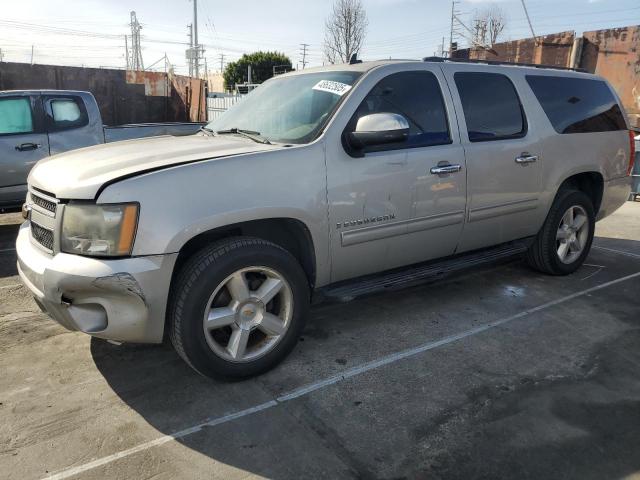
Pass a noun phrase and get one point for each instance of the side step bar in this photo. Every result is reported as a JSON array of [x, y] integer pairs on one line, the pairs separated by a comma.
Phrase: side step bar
[[420, 273]]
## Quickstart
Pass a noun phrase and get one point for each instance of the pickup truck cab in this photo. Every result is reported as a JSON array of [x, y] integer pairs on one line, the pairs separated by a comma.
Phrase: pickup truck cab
[[327, 182], [35, 124]]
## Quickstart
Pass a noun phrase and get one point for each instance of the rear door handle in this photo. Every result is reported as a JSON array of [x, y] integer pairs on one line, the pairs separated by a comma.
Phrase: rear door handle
[[526, 158], [443, 169], [23, 147]]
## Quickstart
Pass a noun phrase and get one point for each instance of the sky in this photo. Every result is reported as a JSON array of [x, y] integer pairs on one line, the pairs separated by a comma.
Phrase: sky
[[91, 32]]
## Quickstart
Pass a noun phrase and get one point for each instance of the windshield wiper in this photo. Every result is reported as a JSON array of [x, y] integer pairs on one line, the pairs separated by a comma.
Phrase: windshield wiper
[[255, 136], [206, 130]]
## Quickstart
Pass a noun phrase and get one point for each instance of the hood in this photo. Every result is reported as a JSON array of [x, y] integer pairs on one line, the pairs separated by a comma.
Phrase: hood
[[80, 174]]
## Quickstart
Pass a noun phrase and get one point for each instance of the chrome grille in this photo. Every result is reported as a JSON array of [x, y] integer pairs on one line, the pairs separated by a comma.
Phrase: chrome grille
[[42, 235], [43, 203]]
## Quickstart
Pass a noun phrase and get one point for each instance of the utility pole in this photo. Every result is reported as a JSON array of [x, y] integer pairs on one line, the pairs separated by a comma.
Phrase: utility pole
[[452, 31], [526, 12], [31, 54], [221, 62], [136, 50], [1, 55], [196, 45], [190, 51], [303, 52], [126, 51]]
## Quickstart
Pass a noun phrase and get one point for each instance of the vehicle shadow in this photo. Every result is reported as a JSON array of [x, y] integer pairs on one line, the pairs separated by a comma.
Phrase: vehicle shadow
[[8, 234], [162, 389]]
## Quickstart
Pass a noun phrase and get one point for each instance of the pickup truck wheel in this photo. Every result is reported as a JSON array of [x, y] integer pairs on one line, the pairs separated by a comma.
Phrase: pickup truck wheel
[[237, 307], [565, 239]]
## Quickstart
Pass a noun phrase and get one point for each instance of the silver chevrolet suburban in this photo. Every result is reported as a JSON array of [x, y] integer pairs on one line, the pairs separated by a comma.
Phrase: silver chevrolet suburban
[[324, 183]]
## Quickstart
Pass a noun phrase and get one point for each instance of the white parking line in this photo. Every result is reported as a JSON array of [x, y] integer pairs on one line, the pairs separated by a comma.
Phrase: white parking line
[[621, 252], [349, 373]]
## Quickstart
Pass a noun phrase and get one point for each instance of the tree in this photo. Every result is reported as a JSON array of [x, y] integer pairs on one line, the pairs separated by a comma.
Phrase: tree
[[344, 30], [262, 64], [489, 25]]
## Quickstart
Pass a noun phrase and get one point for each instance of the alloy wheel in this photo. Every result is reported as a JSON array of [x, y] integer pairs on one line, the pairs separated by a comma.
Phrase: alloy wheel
[[572, 234], [248, 314]]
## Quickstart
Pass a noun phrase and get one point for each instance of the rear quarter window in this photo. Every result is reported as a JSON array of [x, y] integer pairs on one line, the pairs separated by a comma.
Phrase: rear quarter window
[[577, 105]]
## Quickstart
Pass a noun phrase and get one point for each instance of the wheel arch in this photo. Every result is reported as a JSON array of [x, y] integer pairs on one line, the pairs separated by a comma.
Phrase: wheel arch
[[289, 233], [589, 182]]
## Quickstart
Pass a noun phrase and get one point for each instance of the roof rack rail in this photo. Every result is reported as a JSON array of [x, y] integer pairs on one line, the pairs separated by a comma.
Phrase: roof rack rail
[[498, 62]]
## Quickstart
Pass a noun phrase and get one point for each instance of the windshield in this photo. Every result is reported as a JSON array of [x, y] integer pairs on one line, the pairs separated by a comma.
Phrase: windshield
[[288, 109]]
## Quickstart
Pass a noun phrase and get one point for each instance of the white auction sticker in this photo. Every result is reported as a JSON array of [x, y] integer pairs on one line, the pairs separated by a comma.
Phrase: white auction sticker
[[330, 86]]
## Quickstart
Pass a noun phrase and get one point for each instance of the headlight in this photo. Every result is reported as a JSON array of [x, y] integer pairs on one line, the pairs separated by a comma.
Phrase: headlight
[[99, 230]]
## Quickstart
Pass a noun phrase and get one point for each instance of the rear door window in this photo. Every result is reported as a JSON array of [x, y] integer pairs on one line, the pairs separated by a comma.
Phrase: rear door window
[[418, 98], [15, 116], [577, 105], [65, 113], [492, 108]]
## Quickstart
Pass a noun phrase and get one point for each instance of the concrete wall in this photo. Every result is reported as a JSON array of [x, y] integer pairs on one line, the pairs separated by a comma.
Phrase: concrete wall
[[612, 53], [123, 96]]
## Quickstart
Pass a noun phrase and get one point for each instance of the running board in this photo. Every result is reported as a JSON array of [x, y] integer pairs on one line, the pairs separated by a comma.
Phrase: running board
[[418, 274]]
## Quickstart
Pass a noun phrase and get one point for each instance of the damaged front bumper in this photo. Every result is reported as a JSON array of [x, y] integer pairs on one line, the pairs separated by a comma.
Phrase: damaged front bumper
[[122, 300]]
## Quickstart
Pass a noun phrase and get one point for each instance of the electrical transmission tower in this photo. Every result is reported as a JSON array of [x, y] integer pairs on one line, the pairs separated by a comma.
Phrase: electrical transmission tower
[[303, 52], [136, 62]]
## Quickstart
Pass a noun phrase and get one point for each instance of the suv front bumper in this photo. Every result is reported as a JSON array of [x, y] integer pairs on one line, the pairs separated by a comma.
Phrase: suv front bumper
[[122, 300]]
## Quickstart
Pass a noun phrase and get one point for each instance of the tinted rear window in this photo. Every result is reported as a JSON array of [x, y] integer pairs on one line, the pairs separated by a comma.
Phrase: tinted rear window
[[491, 106], [577, 105]]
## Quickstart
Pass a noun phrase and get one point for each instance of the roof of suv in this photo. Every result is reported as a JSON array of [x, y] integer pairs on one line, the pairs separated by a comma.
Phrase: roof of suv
[[361, 66]]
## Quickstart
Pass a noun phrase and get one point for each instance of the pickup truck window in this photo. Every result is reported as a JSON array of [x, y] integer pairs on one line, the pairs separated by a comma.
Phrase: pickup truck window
[[15, 116], [577, 105], [418, 98], [66, 113], [492, 108], [289, 109]]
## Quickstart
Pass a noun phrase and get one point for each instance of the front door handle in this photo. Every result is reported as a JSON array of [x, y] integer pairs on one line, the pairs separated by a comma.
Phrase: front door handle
[[443, 169], [24, 147], [525, 158]]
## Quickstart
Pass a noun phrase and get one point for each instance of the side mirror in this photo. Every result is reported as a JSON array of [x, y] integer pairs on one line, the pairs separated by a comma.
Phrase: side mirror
[[379, 129]]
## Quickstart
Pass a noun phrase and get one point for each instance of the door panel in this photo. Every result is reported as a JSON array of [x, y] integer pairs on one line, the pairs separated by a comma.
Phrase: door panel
[[69, 124], [503, 157], [386, 208], [22, 144]]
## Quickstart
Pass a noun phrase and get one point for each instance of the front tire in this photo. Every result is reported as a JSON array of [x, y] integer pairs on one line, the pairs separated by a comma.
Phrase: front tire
[[564, 241], [237, 307]]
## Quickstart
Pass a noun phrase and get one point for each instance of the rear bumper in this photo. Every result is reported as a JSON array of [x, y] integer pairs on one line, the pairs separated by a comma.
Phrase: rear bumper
[[615, 193], [122, 300]]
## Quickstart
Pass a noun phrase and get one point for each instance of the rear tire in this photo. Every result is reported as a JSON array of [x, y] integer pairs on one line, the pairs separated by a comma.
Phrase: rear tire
[[237, 307], [564, 241]]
